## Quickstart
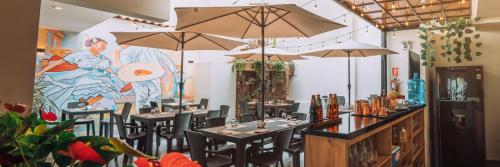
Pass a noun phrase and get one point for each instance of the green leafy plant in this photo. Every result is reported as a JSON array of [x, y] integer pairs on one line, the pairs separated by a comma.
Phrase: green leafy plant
[[257, 66], [278, 65], [238, 65], [27, 140], [456, 41]]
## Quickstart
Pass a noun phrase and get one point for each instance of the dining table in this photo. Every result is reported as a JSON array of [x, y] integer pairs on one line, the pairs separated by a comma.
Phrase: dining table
[[164, 106], [245, 133], [71, 113], [276, 107], [150, 121]]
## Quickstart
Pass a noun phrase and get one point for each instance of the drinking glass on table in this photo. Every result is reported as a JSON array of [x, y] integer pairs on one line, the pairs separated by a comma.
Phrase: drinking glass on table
[[288, 117], [283, 116]]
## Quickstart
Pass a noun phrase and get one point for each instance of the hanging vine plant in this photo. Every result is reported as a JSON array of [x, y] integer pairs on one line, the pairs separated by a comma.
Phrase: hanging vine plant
[[457, 38]]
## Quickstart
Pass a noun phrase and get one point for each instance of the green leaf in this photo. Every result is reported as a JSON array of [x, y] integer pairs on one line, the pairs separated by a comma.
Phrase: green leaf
[[468, 40], [479, 53], [479, 44], [11, 120], [458, 59], [468, 31]]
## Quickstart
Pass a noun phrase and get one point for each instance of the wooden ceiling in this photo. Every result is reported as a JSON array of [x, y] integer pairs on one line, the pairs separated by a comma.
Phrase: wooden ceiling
[[390, 15]]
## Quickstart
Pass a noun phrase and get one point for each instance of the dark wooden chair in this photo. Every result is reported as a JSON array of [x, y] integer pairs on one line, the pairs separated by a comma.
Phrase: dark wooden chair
[[82, 119], [224, 110], [168, 100], [212, 143], [244, 106], [207, 158], [182, 121], [247, 117], [131, 137], [294, 149], [203, 103], [105, 124], [293, 109], [297, 132], [263, 157], [201, 122]]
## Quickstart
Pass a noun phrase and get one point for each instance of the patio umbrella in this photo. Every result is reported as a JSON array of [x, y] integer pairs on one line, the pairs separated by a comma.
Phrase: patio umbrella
[[350, 49], [257, 21], [163, 38], [272, 54]]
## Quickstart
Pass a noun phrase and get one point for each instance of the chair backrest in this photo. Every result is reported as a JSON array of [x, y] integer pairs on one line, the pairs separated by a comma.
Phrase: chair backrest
[[295, 107], [214, 122], [153, 104], [182, 121], [213, 113], [247, 117], [341, 100], [196, 142], [77, 104], [290, 101], [259, 110], [120, 124], [144, 110], [204, 103], [169, 100], [299, 116], [282, 141], [126, 110], [243, 106], [224, 110]]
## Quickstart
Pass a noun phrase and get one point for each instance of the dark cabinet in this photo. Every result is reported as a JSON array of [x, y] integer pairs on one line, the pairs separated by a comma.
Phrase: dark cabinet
[[457, 117]]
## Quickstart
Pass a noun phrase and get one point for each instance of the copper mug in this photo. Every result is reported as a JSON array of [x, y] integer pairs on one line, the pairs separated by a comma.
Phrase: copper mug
[[366, 108], [375, 106], [358, 108]]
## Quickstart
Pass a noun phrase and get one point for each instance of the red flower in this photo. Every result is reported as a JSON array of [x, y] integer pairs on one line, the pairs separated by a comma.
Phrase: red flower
[[82, 152], [19, 108], [143, 162], [175, 159], [48, 116]]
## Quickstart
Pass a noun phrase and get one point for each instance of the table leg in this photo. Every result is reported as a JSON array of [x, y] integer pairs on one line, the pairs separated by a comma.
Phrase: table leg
[[240, 154], [63, 116], [277, 112], [149, 137], [111, 124]]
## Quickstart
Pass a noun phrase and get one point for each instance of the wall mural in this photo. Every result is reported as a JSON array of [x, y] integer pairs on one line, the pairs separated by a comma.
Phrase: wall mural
[[103, 76]]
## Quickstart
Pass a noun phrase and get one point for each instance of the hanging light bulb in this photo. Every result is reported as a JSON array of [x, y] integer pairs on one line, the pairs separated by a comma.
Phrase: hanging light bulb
[[463, 1], [315, 4], [354, 5], [382, 26], [394, 34], [423, 6], [362, 14], [344, 19], [393, 5], [441, 18], [407, 23], [376, 25]]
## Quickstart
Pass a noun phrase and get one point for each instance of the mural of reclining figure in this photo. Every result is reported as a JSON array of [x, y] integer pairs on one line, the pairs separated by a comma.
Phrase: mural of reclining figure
[[92, 79], [150, 71]]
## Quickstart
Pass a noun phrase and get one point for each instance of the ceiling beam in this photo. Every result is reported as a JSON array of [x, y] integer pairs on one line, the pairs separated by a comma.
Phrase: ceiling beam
[[428, 19], [420, 14], [416, 6], [371, 3], [381, 7], [347, 5], [414, 11], [442, 9]]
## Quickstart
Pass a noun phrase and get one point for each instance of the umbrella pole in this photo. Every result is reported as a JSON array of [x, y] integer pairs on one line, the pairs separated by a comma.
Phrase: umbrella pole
[[349, 78], [181, 83], [263, 83]]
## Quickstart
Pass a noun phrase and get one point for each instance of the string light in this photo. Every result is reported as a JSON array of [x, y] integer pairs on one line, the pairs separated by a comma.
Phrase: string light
[[362, 14], [423, 6], [463, 1], [354, 5], [344, 19], [376, 25], [407, 23], [441, 18], [394, 34], [315, 4]]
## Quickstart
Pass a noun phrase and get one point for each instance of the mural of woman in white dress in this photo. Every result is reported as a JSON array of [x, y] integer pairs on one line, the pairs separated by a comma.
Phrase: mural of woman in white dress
[[92, 78]]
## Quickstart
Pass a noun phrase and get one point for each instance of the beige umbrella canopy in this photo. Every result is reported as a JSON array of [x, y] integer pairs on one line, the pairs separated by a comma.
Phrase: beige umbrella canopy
[[284, 20], [258, 21], [350, 49], [163, 38], [272, 54]]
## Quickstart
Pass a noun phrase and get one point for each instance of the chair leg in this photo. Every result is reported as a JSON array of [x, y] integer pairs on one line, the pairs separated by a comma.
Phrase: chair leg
[[281, 162], [88, 129], [106, 130], [93, 129], [169, 145], [296, 160], [158, 143], [101, 128]]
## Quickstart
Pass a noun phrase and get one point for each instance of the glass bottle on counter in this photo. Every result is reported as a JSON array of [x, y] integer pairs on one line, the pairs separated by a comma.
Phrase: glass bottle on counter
[[312, 110], [333, 107], [403, 139], [393, 100], [319, 109]]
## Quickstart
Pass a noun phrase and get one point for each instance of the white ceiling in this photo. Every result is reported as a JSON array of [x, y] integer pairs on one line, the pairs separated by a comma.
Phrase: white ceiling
[[70, 18]]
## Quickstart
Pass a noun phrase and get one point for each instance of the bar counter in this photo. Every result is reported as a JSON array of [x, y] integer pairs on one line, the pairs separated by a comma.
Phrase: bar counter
[[329, 146], [353, 126]]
